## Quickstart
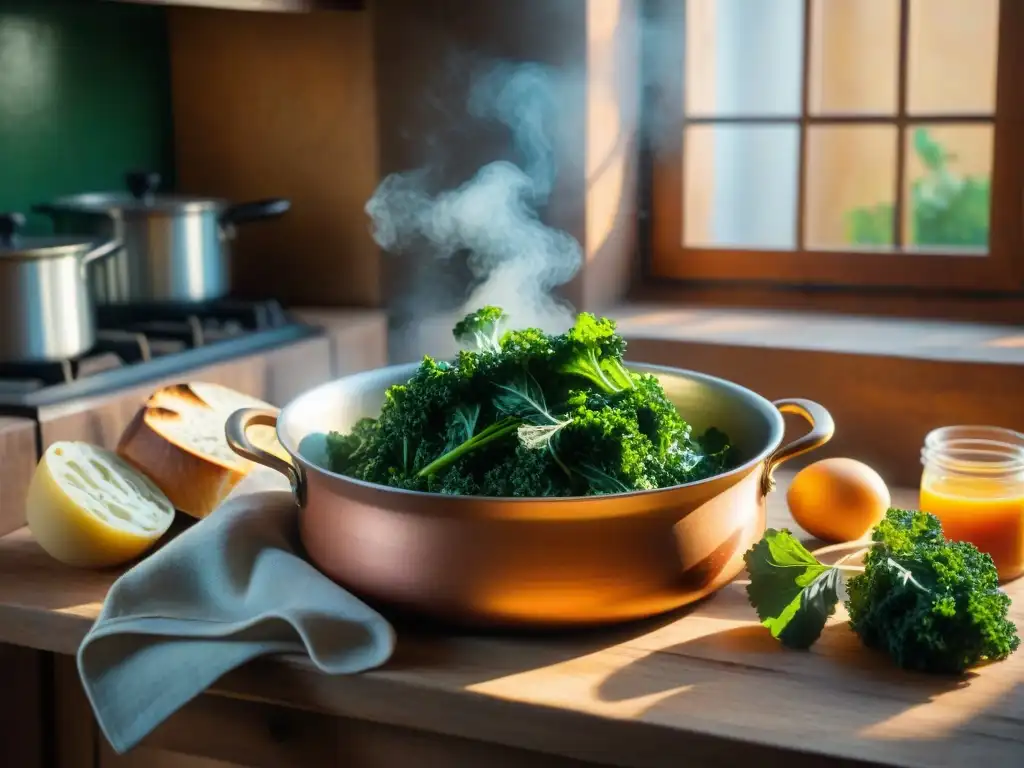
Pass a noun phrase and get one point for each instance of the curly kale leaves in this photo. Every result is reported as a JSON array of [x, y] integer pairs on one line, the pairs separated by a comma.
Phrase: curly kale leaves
[[593, 351], [525, 413], [933, 605], [793, 593], [481, 330]]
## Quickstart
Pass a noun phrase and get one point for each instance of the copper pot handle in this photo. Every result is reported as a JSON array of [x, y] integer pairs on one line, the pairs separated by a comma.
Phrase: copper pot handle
[[235, 429], [822, 428]]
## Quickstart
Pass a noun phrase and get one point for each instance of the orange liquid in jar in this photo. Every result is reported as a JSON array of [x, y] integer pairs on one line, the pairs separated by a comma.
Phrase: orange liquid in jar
[[989, 513]]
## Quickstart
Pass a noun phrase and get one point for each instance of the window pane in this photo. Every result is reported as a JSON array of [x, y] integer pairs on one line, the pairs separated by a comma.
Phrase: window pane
[[854, 56], [740, 188], [850, 186], [952, 57], [946, 193], [743, 57]]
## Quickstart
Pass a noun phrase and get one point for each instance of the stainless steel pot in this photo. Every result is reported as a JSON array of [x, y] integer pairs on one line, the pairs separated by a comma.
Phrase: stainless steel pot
[[532, 562], [46, 312], [176, 248]]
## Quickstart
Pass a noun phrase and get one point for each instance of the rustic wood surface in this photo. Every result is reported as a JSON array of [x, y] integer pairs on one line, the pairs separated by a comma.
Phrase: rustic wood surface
[[707, 684], [18, 459]]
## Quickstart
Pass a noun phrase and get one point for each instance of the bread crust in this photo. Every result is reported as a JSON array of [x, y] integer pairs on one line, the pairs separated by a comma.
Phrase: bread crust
[[196, 482]]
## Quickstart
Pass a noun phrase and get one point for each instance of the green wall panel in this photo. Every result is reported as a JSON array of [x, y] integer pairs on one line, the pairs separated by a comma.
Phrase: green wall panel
[[84, 97]]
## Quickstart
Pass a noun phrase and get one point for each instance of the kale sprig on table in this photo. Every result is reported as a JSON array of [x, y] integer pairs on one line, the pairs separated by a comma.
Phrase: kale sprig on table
[[931, 604], [525, 413]]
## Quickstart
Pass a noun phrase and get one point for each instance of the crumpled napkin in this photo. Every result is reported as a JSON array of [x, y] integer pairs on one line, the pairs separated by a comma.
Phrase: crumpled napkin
[[231, 588]]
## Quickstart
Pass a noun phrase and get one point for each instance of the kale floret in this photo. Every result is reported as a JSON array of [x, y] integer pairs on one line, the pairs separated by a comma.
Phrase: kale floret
[[593, 350], [481, 330], [931, 604], [526, 413]]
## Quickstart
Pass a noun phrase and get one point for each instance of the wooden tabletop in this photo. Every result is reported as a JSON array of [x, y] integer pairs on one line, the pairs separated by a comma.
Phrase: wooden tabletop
[[703, 687]]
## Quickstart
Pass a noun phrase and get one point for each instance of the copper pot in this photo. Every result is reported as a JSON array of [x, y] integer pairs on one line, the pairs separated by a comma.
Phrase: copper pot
[[551, 562]]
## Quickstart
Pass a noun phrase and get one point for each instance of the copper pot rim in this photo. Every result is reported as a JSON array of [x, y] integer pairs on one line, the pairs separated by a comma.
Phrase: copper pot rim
[[429, 500]]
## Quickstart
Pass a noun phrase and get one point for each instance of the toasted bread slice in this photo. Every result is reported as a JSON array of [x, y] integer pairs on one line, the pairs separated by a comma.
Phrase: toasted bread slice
[[177, 439]]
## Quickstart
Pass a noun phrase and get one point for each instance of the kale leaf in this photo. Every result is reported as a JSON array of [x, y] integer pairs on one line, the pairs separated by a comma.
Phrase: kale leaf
[[793, 593], [521, 412]]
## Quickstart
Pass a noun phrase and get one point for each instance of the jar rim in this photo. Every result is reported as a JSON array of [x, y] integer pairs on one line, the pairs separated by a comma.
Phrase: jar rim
[[998, 435], [980, 451]]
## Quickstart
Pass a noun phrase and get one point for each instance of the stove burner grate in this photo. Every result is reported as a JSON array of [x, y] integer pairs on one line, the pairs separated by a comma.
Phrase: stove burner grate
[[136, 333], [227, 316]]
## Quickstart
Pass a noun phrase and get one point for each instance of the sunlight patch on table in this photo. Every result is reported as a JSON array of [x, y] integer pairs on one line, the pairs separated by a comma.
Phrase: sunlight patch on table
[[947, 712], [570, 682]]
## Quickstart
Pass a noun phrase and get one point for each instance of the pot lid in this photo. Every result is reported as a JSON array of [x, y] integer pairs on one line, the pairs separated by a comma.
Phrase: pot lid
[[17, 246], [141, 197]]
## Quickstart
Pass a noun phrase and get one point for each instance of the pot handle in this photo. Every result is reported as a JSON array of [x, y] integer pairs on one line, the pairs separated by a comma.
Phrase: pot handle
[[254, 211], [822, 428], [10, 223], [142, 184], [235, 430], [100, 251]]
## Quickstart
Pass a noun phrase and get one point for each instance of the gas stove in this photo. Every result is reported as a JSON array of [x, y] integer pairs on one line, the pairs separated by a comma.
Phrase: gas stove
[[142, 343], [256, 348]]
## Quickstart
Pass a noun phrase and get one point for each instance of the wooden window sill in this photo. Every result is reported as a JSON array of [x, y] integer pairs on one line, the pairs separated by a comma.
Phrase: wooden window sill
[[811, 331], [886, 381]]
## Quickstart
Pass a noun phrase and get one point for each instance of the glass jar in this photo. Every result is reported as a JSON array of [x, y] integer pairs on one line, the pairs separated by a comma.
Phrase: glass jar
[[973, 481]]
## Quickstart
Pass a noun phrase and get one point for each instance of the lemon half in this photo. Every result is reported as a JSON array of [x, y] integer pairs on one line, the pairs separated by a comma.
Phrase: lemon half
[[89, 508]]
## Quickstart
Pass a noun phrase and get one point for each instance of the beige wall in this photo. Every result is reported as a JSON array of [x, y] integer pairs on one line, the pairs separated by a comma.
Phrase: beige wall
[[320, 107], [699, 147], [269, 104], [613, 107], [425, 57]]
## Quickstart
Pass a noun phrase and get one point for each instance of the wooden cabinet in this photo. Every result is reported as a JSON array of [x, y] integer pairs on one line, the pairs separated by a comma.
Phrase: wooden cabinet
[[263, 5], [22, 674], [144, 757], [216, 731]]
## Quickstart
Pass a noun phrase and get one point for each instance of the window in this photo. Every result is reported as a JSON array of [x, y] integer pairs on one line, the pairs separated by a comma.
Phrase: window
[[873, 143]]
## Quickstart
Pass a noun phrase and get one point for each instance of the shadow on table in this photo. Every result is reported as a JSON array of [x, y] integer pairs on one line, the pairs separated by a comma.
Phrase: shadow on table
[[837, 692], [505, 651]]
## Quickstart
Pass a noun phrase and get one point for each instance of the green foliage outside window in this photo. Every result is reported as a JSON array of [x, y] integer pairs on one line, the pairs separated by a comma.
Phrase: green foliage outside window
[[946, 209]]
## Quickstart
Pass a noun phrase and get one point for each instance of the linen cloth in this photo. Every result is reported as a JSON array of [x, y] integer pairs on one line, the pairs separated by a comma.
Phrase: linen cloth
[[232, 587]]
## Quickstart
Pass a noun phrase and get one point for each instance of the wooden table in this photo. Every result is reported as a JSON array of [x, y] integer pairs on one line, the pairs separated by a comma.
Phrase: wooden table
[[703, 687]]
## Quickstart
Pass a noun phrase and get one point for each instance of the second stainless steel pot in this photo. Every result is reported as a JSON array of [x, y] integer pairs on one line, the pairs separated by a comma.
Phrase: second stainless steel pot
[[176, 248], [46, 312]]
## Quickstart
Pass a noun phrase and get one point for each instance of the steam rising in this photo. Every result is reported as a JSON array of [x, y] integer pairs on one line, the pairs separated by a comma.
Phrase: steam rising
[[523, 98], [515, 259]]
